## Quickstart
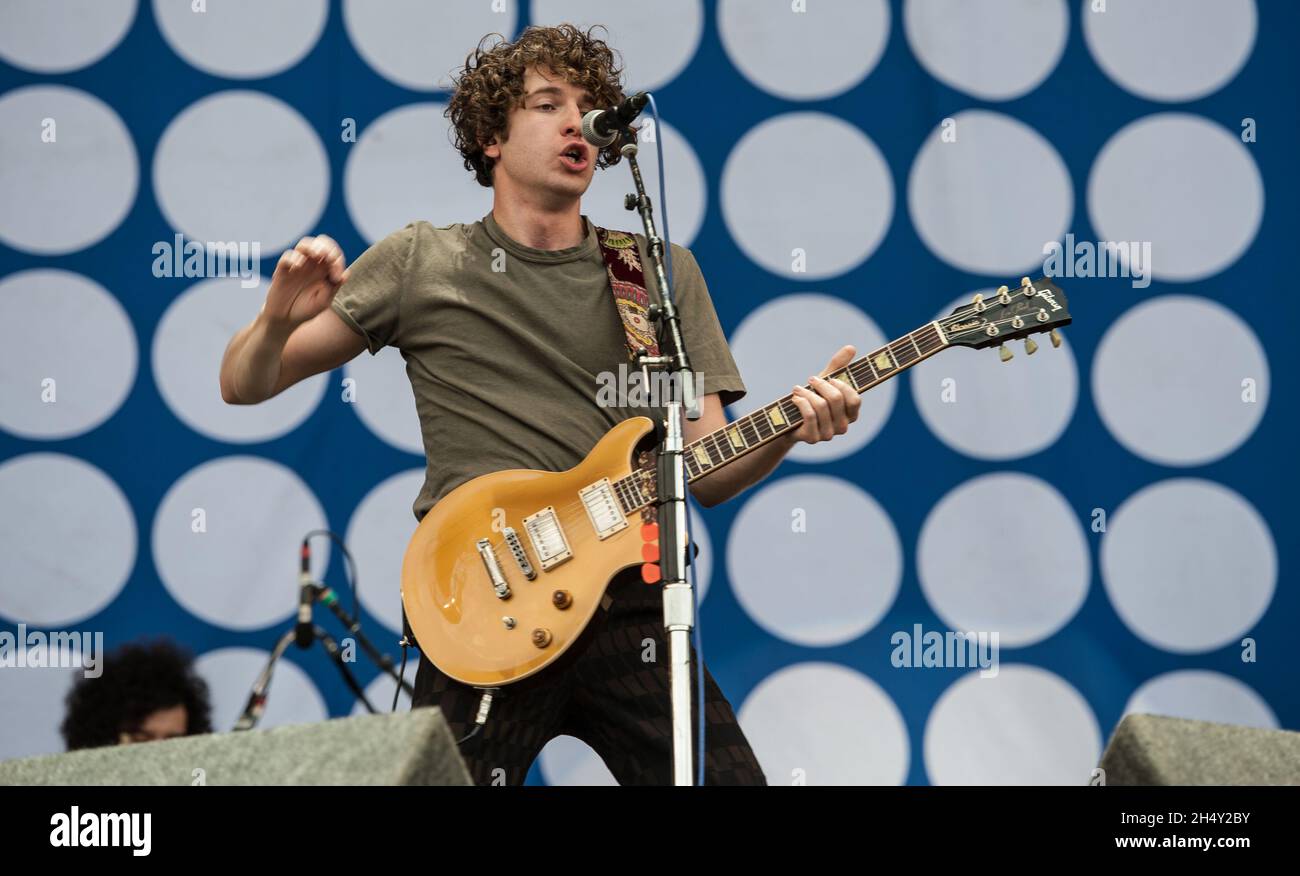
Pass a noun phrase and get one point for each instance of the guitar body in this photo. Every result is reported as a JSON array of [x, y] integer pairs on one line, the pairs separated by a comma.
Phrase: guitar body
[[448, 589]]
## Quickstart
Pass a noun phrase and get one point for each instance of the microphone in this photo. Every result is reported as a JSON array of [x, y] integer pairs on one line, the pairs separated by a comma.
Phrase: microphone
[[303, 633], [601, 127]]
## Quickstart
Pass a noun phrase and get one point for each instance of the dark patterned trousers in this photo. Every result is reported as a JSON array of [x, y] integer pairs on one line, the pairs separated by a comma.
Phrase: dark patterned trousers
[[605, 691]]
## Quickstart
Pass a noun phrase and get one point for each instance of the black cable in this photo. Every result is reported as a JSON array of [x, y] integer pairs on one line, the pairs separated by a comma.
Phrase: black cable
[[350, 567]]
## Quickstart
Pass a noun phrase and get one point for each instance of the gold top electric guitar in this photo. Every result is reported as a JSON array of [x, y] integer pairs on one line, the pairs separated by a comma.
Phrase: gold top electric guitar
[[506, 571]]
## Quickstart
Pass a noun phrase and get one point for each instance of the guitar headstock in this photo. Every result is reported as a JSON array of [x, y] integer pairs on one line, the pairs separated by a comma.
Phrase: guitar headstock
[[1032, 309]]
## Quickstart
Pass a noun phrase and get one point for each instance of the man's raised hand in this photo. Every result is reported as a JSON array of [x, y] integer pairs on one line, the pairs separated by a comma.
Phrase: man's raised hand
[[305, 280]]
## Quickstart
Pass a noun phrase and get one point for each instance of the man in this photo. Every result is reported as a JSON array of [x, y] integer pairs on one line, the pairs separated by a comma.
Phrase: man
[[147, 691], [505, 325]]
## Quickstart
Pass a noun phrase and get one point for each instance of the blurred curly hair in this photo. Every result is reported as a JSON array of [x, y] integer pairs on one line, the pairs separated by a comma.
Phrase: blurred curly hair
[[492, 83], [137, 680]]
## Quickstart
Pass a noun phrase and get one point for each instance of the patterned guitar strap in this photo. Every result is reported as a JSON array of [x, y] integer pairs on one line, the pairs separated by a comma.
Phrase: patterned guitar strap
[[627, 281]]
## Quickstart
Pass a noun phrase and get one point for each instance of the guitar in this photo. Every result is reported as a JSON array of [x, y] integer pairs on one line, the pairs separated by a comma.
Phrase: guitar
[[506, 571]]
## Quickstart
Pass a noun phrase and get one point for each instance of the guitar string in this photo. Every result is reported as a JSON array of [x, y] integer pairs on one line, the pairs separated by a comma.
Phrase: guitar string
[[929, 348]]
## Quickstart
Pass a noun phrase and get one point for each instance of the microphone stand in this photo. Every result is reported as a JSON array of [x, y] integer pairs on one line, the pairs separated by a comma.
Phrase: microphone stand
[[257, 697], [679, 604]]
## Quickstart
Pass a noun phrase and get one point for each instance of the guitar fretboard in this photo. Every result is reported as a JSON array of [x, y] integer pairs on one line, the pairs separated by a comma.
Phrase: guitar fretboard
[[767, 423]]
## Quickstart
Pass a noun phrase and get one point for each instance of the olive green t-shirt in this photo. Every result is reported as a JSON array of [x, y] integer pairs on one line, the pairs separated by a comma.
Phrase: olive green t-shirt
[[505, 345]]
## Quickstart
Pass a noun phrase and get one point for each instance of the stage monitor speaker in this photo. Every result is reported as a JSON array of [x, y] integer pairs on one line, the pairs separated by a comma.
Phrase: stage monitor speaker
[[403, 748], [1157, 750]]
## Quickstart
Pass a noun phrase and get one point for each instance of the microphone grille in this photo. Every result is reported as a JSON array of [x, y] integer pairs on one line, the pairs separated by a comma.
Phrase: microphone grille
[[589, 130]]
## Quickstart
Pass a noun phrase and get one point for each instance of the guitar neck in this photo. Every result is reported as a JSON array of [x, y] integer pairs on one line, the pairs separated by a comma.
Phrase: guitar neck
[[752, 431], [768, 423]]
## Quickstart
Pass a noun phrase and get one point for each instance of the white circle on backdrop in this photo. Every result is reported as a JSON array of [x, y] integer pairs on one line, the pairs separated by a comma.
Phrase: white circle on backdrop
[[384, 399], [1168, 380], [807, 329], [818, 53], [380, 690], [77, 335], [242, 39], [988, 409], [656, 42], [1024, 726], [59, 36], [825, 724], [990, 49], [1201, 695], [32, 699], [377, 535], [688, 190], [1182, 186], [230, 673], [241, 166], [1004, 553], [568, 761], [240, 572], [417, 44], [403, 167], [989, 201], [814, 560], [779, 196], [68, 536], [187, 350], [1171, 50], [63, 194], [1189, 565]]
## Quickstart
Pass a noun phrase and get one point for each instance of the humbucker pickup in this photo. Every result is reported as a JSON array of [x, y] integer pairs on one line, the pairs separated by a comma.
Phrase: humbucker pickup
[[548, 539], [602, 508]]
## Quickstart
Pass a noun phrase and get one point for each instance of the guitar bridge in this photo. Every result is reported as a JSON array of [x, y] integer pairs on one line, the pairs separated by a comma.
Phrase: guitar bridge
[[517, 551], [602, 508], [549, 543]]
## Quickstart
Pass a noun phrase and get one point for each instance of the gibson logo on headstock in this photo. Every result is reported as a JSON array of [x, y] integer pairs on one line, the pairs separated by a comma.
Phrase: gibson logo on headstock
[[963, 326], [1047, 296]]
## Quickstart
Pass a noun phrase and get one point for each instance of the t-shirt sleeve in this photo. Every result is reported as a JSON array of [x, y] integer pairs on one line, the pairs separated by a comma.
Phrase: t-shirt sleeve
[[370, 301], [705, 341]]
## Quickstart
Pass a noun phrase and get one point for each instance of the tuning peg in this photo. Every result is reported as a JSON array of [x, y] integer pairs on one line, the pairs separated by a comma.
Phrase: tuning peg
[[1056, 338], [1004, 353], [1030, 347], [1025, 281]]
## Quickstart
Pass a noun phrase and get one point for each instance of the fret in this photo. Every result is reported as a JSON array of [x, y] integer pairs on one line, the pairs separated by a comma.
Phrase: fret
[[911, 337], [738, 442], [721, 448], [762, 424], [875, 375], [692, 466], [902, 358]]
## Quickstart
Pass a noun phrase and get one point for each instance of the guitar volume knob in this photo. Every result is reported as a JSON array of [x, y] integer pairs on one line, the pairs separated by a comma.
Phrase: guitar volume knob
[[541, 637], [561, 599]]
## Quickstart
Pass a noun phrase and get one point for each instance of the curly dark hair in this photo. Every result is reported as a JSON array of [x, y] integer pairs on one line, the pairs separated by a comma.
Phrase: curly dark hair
[[137, 680], [492, 82]]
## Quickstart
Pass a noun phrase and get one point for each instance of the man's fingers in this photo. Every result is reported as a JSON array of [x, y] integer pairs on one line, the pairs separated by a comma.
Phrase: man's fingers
[[842, 357], [834, 397], [289, 259], [821, 421]]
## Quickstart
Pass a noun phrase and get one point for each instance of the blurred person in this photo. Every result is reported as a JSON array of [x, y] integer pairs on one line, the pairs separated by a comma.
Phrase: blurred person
[[147, 691]]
